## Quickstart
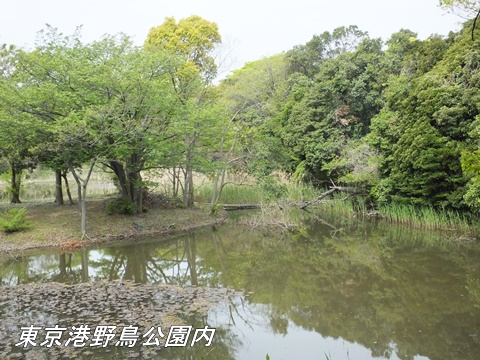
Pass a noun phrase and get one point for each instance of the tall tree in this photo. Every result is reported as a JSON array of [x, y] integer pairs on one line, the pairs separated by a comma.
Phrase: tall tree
[[431, 113], [321, 117], [307, 59], [193, 39], [17, 130]]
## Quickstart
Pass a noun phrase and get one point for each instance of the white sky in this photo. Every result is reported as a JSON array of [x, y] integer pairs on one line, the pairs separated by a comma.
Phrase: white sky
[[252, 29]]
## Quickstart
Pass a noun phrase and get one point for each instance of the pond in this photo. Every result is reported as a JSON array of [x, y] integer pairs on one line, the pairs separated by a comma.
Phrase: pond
[[332, 289]]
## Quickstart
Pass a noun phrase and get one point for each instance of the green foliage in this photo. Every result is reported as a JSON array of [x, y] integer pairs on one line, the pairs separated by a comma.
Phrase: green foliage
[[307, 59], [121, 205], [193, 38], [232, 194], [398, 121], [337, 107], [272, 188], [14, 220], [465, 8]]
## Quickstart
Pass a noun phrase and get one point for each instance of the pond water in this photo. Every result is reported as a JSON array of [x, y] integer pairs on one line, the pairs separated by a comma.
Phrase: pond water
[[330, 290]]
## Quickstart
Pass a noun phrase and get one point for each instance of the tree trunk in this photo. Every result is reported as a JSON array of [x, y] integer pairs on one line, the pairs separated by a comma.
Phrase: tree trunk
[[16, 183], [218, 185], [175, 181], [188, 184], [190, 188], [121, 175], [67, 187], [83, 207], [190, 141], [58, 188], [82, 193], [79, 194]]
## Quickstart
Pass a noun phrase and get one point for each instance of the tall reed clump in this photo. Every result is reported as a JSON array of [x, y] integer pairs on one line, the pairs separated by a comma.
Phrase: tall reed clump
[[425, 217], [341, 205], [266, 192], [231, 194], [298, 192]]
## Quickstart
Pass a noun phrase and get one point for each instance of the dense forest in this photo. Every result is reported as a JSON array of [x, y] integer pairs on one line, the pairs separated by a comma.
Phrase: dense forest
[[398, 121]]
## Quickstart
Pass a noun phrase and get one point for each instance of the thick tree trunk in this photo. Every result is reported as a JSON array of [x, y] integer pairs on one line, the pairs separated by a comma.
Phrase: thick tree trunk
[[121, 175], [130, 179], [16, 183], [58, 188]]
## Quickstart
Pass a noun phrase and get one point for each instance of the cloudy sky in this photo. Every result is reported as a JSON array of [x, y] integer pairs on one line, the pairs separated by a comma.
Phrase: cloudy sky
[[251, 29]]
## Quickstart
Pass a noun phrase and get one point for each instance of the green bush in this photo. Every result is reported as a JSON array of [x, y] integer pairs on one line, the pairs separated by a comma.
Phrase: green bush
[[121, 206], [14, 220], [272, 188]]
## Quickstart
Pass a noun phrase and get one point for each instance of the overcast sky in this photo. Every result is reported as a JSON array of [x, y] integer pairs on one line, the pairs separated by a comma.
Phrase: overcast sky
[[251, 29]]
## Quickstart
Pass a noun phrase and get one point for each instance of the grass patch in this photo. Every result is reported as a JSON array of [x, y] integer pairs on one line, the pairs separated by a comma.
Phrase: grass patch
[[54, 225], [354, 207], [425, 217], [14, 220], [262, 193], [231, 194]]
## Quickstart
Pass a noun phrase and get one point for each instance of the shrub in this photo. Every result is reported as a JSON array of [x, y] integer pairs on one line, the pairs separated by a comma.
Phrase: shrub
[[121, 205], [272, 188], [14, 220]]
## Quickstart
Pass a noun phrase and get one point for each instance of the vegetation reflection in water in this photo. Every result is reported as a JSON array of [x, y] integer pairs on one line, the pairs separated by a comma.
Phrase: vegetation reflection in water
[[333, 288]]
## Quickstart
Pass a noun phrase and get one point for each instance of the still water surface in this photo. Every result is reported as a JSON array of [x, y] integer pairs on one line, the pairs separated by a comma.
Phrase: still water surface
[[353, 291]]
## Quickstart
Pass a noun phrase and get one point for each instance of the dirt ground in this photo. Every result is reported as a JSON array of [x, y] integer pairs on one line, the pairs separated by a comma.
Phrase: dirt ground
[[51, 225]]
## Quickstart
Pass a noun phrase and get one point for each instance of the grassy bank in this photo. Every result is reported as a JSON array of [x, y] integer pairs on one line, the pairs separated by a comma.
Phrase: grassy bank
[[53, 225], [427, 218], [342, 206]]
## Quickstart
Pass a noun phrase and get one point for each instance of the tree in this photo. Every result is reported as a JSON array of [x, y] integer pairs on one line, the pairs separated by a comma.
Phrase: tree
[[17, 130], [139, 101], [427, 118], [251, 98], [307, 59], [467, 9], [107, 101], [193, 39], [322, 116]]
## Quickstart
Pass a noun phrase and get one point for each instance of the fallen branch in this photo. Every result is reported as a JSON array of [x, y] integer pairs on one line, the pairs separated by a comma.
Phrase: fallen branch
[[328, 192]]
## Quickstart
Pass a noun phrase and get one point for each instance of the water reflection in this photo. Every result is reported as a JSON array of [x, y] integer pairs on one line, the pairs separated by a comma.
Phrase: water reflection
[[339, 289]]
